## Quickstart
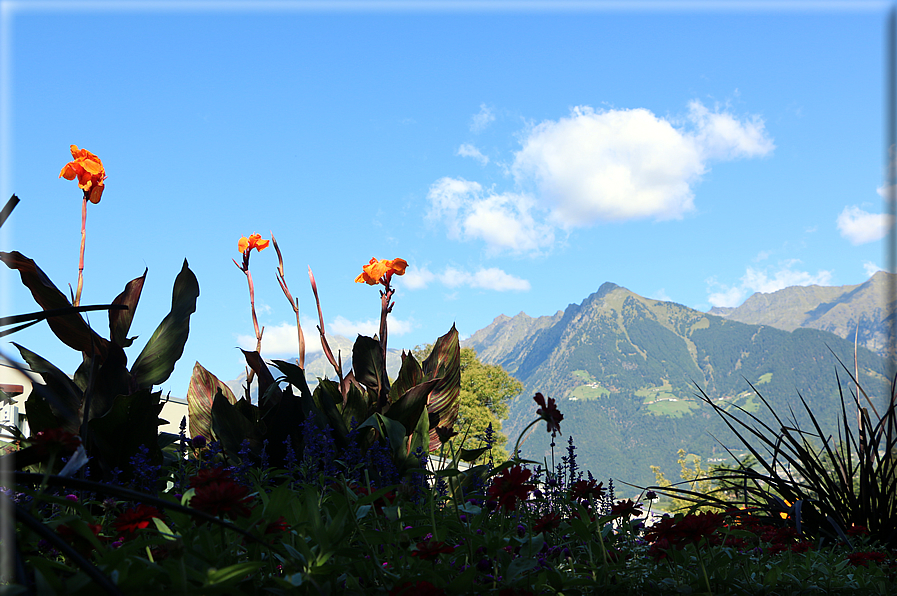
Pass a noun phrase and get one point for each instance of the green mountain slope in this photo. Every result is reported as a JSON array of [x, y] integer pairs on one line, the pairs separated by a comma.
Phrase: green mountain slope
[[624, 370]]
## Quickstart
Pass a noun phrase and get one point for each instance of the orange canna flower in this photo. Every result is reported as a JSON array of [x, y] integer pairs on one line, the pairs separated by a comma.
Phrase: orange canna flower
[[89, 171], [374, 271], [254, 241]]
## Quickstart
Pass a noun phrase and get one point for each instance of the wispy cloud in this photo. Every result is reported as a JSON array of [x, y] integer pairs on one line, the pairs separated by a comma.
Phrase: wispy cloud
[[661, 295], [871, 268], [859, 226], [467, 150], [370, 327], [766, 281], [482, 119], [416, 278], [491, 278], [283, 338]]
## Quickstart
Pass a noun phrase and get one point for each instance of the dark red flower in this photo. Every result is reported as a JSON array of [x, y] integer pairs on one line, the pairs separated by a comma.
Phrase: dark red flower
[[55, 440], [549, 412], [862, 559], [277, 527], [431, 549], [136, 518], [419, 588], [510, 485], [584, 489], [218, 498], [693, 527], [207, 476], [547, 523], [626, 509]]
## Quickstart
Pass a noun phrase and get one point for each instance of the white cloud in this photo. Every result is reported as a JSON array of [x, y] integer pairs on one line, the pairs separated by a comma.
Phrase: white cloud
[[661, 295], [886, 192], [860, 227], [871, 268], [722, 136], [504, 221], [757, 280], [284, 339], [467, 150], [482, 119], [343, 326], [624, 164], [485, 279], [594, 166], [416, 278]]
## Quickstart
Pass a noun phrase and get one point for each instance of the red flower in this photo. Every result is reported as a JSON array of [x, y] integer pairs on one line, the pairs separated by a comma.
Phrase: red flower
[[431, 549], [207, 476], [584, 489], [225, 497], [55, 440], [511, 485], [547, 523], [136, 518], [549, 413], [862, 559], [419, 588], [277, 527], [626, 509], [690, 528]]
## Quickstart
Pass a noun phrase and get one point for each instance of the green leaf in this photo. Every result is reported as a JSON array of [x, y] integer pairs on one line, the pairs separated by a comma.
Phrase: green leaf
[[265, 378], [410, 375], [120, 320], [471, 455], [164, 348], [200, 397], [408, 408], [70, 329], [233, 572]]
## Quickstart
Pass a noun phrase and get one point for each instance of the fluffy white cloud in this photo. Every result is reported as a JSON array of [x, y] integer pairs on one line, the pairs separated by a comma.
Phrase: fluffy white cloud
[[467, 150], [482, 119], [283, 338], [661, 295], [504, 221], [860, 227], [593, 166], [757, 280], [346, 328], [623, 164], [415, 278]]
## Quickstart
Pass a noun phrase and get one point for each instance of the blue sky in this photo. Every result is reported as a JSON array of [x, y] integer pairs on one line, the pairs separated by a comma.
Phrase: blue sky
[[517, 158]]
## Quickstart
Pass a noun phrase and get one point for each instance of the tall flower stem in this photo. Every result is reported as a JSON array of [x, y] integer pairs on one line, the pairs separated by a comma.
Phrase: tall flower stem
[[81, 257], [294, 302]]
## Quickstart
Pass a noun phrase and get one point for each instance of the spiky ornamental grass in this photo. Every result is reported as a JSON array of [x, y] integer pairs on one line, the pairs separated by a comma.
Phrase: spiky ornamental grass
[[825, 492]]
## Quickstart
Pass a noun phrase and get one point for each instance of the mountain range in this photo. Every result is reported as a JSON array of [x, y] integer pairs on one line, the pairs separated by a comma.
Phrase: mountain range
[[625, 369]]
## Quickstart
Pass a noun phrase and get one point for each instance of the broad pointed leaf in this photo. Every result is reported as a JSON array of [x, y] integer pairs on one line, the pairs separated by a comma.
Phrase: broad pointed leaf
[[120, 320], [70, 329], [409, 375], [367, 363], [265, 378], [200, 397], [165, 347], [62, 396], [326, 396], [445, 362], [408, 408]]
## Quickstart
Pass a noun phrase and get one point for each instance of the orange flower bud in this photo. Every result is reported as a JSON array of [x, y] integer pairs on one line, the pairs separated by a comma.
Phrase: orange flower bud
[[89, 171]]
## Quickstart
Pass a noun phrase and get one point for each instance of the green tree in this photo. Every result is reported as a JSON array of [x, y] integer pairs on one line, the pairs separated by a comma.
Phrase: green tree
[[486, 391]]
